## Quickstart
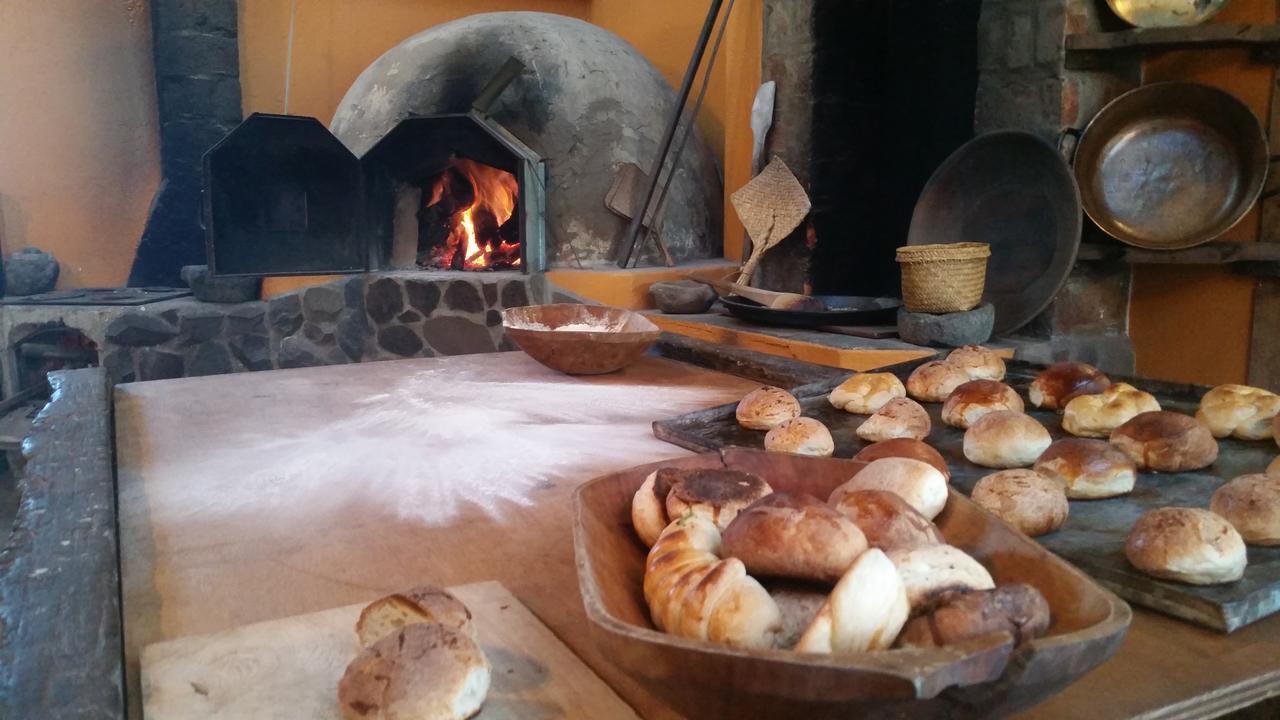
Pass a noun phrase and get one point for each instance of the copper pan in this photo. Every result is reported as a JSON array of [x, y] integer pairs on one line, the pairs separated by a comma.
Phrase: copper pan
[[1166, 13]]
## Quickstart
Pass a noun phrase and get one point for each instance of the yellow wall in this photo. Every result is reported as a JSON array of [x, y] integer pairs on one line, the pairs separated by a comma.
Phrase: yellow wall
[[79, 155], [1192, 324]]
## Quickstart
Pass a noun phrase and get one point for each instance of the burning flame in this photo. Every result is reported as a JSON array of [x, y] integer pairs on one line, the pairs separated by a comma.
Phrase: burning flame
[[495, 193]]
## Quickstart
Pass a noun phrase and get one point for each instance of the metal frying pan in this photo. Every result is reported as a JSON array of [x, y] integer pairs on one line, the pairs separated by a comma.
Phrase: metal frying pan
[[1166, 13], [841, 310], [1012, 190], [1171, 165]]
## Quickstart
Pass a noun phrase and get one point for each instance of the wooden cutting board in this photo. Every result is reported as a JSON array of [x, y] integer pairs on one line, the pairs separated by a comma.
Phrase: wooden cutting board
[[289, 668]]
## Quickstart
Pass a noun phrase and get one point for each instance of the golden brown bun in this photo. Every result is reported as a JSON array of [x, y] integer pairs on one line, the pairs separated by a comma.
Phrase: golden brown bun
[[419, 671], [1088, 469], [1166, 441], [1275, 429], [766, 408], [802, 436], [1005, 439], [919, 483], [898, 418], [931, 571], [1030, 502], [1059, 383], [976, 398], [649, 510], [714, 493], [1189, 545], [1096, 416], [934, 381], [978, 362], [907, 448], [419, 605], [865, 611], [1241, 411], [865, 393], [1019, 610], [886, 520], [1251, 503], [795, 536], [1274, 467]]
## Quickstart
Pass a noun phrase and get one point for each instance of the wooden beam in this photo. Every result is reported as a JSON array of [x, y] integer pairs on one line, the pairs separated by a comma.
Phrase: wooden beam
[[1264, 339], [1214, 35], [1252, 255]]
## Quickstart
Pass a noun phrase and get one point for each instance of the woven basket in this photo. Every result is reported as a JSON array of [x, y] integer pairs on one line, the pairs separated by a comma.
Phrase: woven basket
[[943, 278]]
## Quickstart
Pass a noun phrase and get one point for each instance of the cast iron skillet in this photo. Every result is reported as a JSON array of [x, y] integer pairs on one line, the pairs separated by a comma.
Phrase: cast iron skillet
[[841, 310]]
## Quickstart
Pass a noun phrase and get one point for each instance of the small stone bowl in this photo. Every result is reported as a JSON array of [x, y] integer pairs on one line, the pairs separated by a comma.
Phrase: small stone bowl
[[596, 340]]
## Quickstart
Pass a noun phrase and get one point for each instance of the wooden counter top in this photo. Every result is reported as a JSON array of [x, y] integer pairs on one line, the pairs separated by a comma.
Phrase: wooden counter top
[[256, 496]]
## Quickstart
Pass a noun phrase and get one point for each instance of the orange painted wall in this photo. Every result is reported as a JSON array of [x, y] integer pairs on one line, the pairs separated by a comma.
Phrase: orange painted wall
[[1193, 324], [79, 147]]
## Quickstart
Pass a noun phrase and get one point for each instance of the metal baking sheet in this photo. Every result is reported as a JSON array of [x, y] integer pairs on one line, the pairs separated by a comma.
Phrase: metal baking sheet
[[1094, 534]]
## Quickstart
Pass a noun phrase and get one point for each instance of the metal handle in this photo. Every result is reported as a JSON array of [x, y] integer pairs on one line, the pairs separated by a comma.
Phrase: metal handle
[[508, 72], [1068, 152]]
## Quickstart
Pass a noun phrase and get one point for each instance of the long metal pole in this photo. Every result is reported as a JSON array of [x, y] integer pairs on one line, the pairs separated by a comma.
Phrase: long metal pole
[[638, 213]]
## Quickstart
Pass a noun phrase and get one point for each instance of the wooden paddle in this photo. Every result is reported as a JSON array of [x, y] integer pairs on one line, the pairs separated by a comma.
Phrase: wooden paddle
[[768, 298]]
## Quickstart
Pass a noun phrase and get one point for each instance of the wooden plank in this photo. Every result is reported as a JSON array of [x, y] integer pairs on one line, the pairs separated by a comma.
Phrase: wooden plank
[[60, 635], [1212, 35], [203, 677], [1264, 338], [1215, 253]]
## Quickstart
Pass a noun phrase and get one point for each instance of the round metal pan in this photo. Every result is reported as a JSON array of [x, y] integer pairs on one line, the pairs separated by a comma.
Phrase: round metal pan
[[1166, 13], [841, 310], [1171, 165], [1013, 191]]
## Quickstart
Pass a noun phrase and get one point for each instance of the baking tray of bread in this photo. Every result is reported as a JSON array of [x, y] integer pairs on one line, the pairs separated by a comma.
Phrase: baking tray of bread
[[1166, 528], [729, 587]]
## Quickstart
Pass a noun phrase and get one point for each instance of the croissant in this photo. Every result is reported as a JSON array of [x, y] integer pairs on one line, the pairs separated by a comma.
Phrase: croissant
[[694, 593]]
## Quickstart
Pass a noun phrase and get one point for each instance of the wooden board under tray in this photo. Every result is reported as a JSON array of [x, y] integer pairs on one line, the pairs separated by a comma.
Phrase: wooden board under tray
[[1093, 537]]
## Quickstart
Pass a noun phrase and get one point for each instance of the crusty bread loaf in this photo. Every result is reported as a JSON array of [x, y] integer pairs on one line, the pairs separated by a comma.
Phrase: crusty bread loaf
[[1019, 610], [1188, 545], [978, 362], [865, 611], [1057, 384], [649, 510], [976, 398], [898, 418], [802, 436], [1005, 439], [715, 493], [1241, 411], [907, 448], [1088, 469], [930, 571], [865, 393], [419, 605], [1166, 441], [886, 520], [419, 671], [795, 536], [1030, 502], [1097, 415], [919, 483], [934, 380], [766, 408], [1251, 503]]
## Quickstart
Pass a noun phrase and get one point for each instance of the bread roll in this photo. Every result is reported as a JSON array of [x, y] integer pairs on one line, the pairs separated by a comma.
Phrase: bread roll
[[419, 671], [1166, 441], [1251, 503], [976, 398], [1188, 545], [802, 436], [898, 418], [886, 520], [979, 363], [1033, 504], [1274, 467], [1275, 429], [418, 605], [714, 493], [934, 381], [1088, 469], [930, 571], [1096, 416], [1005, 439], [649, 510], [766, 408], [1019, 610], [865, 611], [1059, 383], [907, 448], [919, 483], [795, 536], [865, 393], [1241, 411]]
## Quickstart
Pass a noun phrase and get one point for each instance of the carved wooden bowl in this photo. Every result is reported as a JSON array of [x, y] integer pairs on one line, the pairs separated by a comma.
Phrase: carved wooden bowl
[[609, 338], [983, 678]]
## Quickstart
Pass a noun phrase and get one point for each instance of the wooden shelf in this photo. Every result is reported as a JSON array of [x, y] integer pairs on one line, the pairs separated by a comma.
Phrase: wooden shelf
[[1254, 258], [1087, 49]]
